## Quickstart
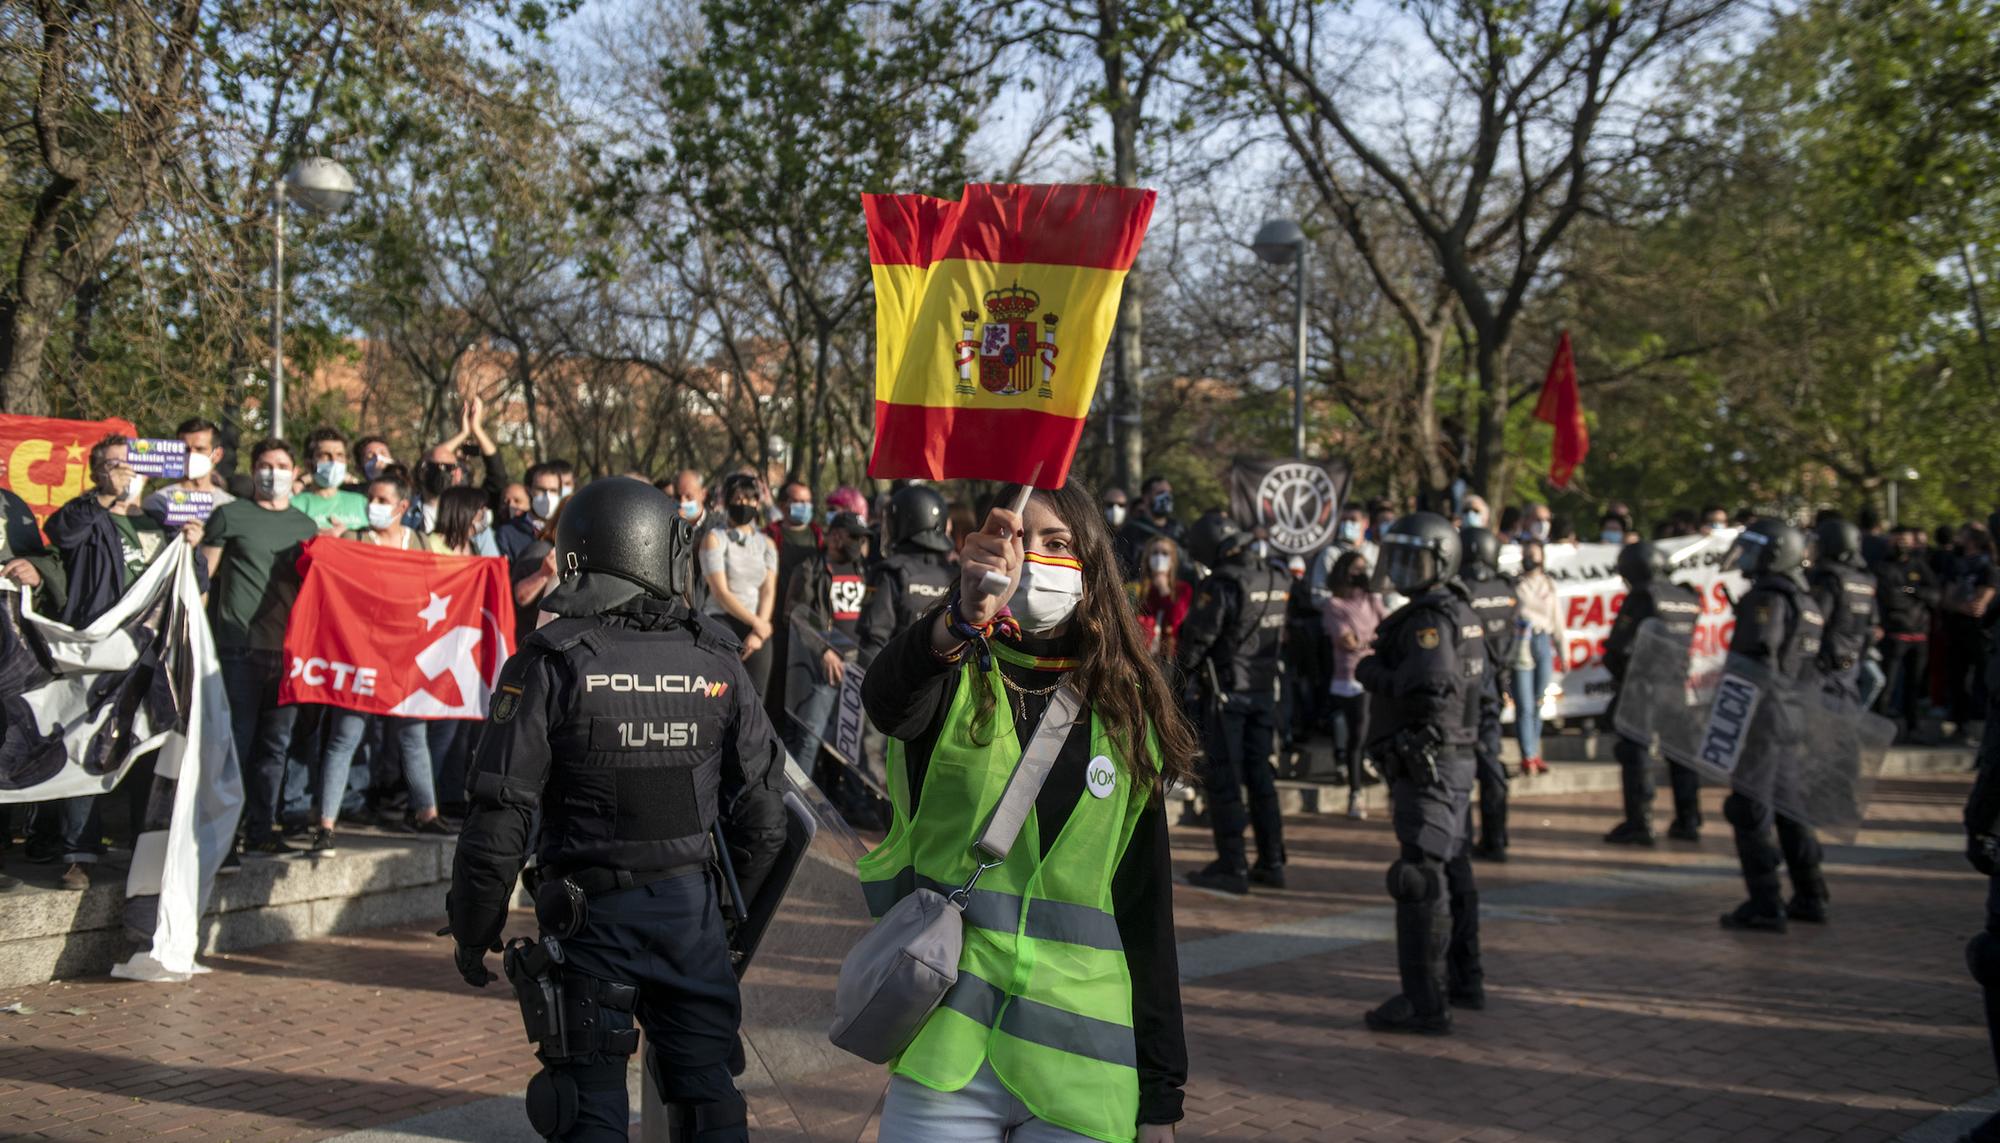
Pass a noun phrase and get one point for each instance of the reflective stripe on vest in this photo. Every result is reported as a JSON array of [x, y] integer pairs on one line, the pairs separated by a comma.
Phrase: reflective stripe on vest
[[1001, 912], [1043, 995]]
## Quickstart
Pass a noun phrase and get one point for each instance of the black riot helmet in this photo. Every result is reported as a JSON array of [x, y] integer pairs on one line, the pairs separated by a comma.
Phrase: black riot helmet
[[1419, 552], [1481, 552], [1642, 563], [1214, 538], [1839, 542], [617, 534], [1769, 546], [917, 517]]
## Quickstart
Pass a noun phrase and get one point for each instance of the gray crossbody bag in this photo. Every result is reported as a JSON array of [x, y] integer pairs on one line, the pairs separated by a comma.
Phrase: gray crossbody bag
[[897, 975]]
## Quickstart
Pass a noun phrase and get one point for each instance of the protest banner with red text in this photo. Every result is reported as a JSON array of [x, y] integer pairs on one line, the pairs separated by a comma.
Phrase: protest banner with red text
[[382, 631], [1588, 587], [46, 460]]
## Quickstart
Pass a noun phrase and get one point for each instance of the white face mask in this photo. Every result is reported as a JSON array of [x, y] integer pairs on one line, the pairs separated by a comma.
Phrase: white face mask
[[1051, 587], [135, 487], [543, 504], [1114, 515], [1350, 530], [274, 483], [1160, 562], [329, 473], [199, 465], [381, 516], [1539, 529]]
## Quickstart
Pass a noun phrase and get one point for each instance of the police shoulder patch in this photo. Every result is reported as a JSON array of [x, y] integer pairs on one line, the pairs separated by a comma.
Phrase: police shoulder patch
[[1427, 638], [506, 702]]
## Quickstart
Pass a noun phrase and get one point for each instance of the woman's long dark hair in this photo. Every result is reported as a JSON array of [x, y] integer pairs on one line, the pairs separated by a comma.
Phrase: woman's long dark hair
[[1116, 674], [457, 509]]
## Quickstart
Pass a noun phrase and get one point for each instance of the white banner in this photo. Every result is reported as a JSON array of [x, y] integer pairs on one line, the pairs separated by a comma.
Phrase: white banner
[[143, 677], [1591, 593]]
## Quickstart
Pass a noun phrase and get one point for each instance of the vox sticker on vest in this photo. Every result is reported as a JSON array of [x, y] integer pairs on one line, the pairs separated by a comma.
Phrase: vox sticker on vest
[[1102, 777]]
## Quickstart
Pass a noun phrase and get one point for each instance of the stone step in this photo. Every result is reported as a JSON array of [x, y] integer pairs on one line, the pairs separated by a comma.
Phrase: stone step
[[373, 880], [1567, 778]]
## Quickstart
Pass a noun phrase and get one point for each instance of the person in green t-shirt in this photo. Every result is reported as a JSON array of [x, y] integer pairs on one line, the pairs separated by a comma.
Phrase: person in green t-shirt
[[334, 510], [253, 548]]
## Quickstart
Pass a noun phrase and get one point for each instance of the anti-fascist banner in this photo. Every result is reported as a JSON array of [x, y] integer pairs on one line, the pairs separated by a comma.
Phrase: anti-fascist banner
[[991, 318], [1297, 502], [1591, 593], [79, 707], [402, 633], [46, 461]]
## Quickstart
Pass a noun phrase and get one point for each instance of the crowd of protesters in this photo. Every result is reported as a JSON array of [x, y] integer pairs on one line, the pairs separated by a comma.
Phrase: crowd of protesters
[[778, 569]]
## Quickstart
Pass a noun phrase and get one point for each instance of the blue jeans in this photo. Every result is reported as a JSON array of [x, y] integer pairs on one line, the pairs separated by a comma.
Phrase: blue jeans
[[1871, 680], [808, 725], [1530, 684], [982, 1111], [344, 737], [301, 763], [450, 740], [262, 730]]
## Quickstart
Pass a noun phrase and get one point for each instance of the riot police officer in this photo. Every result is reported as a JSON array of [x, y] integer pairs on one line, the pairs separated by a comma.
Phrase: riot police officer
[[1493, 600], [1229, 646], [1778, 625], [1425, 681], [630, 722], [914, 576], [1649, 594], [1845, 590]]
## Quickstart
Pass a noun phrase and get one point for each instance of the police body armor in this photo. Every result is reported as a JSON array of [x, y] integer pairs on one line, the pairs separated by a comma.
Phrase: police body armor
[[1846, 596], [901, 588], [1394, 738], [1677, 610], [1799, 648], [1246, 653], [636, 765], [1496, 605]]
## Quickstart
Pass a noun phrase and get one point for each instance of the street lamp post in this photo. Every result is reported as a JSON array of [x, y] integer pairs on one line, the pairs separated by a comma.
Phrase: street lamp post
[[1280, 242], [323, 187]]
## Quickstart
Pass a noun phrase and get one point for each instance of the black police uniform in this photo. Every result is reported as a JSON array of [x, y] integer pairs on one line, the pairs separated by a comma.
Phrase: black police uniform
[[902, 587], [631, 731], [1679, 611], [1229, 645], [1982, 952], [1846, 598], [1778, 625], [1493, 600], [1426, 680]]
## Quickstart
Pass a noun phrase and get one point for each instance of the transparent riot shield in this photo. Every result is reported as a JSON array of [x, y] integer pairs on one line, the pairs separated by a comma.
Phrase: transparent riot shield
[[1810, 754], [825, 718], [807, 918]]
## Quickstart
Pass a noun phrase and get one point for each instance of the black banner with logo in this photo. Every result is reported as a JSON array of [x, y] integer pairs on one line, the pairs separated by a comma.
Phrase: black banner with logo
[[1296, 501]]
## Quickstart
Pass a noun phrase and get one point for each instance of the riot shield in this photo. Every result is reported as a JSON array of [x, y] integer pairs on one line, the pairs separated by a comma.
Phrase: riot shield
[[825, 720], [1810, 754], [807, 917]]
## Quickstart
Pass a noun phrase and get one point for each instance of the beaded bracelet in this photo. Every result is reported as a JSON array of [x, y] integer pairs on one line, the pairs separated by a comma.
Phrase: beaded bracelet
[[976, 635]]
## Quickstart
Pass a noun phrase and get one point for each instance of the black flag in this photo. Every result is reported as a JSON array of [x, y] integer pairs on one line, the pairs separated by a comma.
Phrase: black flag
[[1296, 501]]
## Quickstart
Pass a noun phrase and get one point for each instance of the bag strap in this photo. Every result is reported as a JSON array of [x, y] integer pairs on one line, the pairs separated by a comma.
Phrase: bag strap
[[1026, 783]]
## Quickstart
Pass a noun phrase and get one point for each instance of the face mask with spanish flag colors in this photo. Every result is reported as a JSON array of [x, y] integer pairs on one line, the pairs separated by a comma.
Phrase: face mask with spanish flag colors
[[1050, 589]]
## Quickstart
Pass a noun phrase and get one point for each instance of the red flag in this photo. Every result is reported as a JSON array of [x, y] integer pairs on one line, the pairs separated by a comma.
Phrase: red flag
[[403, 633], [1562, 407], [46, 461]]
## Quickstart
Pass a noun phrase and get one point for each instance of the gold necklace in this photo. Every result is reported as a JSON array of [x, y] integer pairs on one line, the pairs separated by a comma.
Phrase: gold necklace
[[1021, 690]]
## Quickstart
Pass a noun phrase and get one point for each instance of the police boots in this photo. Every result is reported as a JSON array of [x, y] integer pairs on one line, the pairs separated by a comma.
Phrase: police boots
[[1809, 898], [1423, 934]]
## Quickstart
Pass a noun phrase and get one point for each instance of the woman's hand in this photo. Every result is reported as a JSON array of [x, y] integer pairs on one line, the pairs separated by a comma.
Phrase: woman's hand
[[761, 628], [834, 666], [995, 548], [751, 643], [1156, 1133]]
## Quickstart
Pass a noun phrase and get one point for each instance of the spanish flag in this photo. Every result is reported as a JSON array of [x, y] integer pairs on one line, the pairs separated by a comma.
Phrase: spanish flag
[[992, 315]]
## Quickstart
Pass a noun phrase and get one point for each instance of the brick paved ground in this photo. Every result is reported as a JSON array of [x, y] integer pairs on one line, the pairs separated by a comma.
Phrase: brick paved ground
[[1618, 1010]]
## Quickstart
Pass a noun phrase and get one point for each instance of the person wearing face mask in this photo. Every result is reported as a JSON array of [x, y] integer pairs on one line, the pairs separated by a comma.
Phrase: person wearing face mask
[[336, 510], [1353, 612], [372, 458], [1540, 636], [204, 462], [1537, 523], [252, 548], [1154, 516], [740, 564], [1472, 512], [514, 502], [823, 609], [548, 485], [1088, 1045], [445, 467], [1163, 599], [105, 543], [797, 537], [1116, 508], [1230, 647], [1614, 528]]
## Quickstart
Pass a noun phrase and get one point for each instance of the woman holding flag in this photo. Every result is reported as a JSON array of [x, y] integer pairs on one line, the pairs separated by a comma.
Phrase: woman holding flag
[[1089, 1044]]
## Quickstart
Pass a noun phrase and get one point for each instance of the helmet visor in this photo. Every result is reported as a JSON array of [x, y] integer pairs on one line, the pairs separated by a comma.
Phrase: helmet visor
[[1748, 554], [1408, 565]]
